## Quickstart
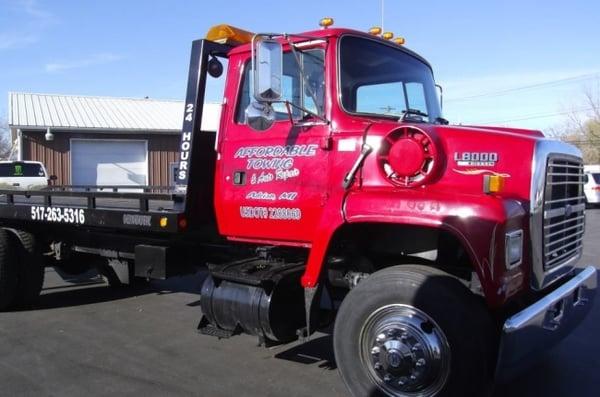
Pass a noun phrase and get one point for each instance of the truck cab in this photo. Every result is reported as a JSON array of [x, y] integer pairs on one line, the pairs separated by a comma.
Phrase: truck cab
[[334, 141]]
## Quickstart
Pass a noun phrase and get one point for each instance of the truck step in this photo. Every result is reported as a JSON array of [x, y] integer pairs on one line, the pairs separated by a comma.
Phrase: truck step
[[207, 328]]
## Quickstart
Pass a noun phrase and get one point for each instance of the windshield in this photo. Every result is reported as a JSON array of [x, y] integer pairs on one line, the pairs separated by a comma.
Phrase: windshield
[[21, 170], [379, 79]]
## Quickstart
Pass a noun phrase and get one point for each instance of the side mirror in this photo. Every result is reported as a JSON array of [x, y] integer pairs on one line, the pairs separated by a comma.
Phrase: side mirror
[[267, 66], [441, 90], [260, 116]]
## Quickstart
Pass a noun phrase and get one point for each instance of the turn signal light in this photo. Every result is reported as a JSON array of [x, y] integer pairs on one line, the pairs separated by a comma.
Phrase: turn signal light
[[388, 35], [375, 31], [326, 22], [227, 34], [164, 221], [493, 183]]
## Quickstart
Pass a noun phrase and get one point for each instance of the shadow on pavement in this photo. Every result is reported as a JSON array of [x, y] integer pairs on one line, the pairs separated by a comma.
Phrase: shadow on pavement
[[79, 295], [91, 290], [317, 350]]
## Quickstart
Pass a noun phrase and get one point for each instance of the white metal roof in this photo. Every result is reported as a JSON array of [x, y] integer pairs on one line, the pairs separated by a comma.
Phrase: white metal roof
[[102, 113]]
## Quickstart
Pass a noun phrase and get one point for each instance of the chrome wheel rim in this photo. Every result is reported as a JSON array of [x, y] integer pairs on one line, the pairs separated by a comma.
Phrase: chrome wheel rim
[[404, 351]]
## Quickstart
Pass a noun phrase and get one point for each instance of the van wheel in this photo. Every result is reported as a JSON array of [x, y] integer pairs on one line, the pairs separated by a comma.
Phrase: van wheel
[[8, 271], [30, 276], [413, 331]]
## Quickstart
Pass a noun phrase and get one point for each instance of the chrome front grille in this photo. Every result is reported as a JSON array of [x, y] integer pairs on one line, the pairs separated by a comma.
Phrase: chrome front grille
[[556, 219], [563, 209]]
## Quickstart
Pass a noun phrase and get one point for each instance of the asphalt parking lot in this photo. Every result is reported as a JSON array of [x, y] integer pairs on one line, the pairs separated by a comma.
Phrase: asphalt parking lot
[[89, 339]]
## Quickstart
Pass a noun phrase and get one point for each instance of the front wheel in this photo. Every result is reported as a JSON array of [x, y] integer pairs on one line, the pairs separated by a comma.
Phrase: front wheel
[[413, 331]]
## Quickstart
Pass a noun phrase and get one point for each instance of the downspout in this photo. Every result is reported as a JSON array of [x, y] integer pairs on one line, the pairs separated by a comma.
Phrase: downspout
[[19, 145]]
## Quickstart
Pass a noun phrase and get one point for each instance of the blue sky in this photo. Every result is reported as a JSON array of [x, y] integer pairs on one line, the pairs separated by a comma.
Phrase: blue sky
[[137, 48]]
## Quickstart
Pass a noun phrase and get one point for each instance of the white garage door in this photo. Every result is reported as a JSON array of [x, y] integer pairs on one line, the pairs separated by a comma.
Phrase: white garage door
[[106, 162]]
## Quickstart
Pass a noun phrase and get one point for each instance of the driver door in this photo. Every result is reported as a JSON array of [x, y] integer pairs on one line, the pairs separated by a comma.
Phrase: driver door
[[273, 184]]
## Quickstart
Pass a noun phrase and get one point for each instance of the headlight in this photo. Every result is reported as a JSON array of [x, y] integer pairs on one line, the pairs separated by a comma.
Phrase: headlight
[[514, 249]]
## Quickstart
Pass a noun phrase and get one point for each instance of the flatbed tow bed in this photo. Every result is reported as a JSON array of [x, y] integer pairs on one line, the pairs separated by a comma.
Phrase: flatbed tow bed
[[159, 212], [127, 231], [126, 207]]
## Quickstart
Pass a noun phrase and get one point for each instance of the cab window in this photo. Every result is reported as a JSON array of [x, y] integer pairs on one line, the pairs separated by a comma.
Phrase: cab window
[[309, 94]]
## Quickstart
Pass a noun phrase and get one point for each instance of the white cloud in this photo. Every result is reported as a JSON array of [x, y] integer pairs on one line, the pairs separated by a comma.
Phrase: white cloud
[[32, 9], [92, 60], [15, 40], [29, 22]]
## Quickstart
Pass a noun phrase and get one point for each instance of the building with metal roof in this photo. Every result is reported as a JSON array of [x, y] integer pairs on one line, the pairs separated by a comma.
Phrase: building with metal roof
[[87, 140]]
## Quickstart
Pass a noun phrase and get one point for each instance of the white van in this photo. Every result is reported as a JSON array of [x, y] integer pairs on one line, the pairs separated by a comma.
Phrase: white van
[[23, 175], [592, 184]]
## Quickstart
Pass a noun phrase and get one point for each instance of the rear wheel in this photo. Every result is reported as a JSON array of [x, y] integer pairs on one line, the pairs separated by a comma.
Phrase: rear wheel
[[8, 271], [31, 269], [413, 331]]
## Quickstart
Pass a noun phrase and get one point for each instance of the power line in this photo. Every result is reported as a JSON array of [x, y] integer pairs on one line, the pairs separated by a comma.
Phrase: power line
[[538, 116], [528, 87]]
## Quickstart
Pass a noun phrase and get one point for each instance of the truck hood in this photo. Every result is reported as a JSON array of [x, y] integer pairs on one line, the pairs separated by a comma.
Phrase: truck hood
[[518, 131], [467, 153], [471, 152]]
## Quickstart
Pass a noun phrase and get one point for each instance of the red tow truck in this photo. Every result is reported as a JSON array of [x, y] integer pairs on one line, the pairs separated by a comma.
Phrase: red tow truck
[[334, 187]]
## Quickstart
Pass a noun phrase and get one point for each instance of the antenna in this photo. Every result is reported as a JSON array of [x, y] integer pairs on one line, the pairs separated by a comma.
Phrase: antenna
[[382, 8]]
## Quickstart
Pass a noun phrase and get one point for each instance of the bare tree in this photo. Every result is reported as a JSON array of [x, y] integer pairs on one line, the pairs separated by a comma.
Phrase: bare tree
[[5, 140], [583, 127]]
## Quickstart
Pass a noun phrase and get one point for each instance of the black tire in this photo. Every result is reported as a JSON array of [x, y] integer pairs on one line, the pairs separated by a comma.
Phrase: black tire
[[30, 276], [447, 305], [8, 271]]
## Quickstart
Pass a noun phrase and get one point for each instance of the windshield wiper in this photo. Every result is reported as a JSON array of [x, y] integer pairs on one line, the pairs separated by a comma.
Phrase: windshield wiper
[[406, 115], [441, 120]]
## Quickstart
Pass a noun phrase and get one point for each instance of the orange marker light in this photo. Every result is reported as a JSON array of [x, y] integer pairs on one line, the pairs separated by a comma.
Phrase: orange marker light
[[227, 34], [399, 40], [164, 221], [375, 30], [493, 183], [326, 22], [388, 35]]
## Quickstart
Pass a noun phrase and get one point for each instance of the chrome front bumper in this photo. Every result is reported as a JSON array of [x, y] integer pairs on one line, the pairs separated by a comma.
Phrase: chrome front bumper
[[545, 323]]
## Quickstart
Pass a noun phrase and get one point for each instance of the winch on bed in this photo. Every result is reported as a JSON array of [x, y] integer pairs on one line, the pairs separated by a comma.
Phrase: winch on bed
[[257, 296]]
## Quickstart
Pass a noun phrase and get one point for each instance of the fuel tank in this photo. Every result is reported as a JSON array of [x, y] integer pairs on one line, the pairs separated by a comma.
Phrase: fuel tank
[[255, 297]]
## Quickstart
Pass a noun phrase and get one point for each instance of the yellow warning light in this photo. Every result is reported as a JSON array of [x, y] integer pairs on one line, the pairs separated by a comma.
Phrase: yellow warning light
[[388, 35], [164, 221], [326, 22], [493, 183], [375, 31], [227, 34], [400, 40]]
